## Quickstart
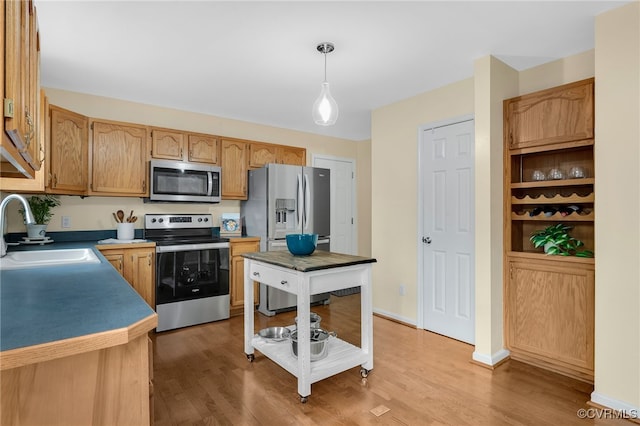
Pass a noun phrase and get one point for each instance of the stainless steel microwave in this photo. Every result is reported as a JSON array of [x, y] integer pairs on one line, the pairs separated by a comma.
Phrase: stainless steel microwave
[[184, 182]]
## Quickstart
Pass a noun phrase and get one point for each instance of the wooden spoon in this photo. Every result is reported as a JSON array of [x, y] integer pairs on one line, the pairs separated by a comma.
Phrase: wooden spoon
[[120, 215], [130, 216], [115, 217]]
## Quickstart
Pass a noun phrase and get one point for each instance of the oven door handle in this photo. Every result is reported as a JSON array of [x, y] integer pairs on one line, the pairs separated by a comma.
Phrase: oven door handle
[[191, 247]]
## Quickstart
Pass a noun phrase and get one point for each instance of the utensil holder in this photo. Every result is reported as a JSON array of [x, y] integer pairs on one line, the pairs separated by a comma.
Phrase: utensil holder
[[125, 231]]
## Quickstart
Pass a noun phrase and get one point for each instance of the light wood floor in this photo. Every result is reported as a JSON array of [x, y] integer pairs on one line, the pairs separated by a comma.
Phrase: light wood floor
[[202, 377]]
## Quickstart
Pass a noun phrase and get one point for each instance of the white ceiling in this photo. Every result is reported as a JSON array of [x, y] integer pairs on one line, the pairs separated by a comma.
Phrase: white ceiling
[[257, 61]]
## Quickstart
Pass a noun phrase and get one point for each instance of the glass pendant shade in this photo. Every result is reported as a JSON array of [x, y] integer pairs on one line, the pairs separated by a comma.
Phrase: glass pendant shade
[[325, 108]]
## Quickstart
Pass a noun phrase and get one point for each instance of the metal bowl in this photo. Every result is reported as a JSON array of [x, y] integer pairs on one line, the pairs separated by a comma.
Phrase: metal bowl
[[319, 341], [314, 320], [275, 334]]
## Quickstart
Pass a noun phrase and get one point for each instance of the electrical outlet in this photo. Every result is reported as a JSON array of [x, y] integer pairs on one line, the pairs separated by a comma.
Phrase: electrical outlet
[[402, 290], [66, 222]]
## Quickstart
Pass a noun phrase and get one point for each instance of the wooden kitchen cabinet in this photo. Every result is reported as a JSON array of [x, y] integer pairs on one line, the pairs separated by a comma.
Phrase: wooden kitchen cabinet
[[22, 149], [550, 179], [184, 146], [261, 154], [238, 246], [234, 154], [203, 149], [136, 263], [119, 155], [550, 314], [67, 152], [105, 386], [552, 116], [167, 144]]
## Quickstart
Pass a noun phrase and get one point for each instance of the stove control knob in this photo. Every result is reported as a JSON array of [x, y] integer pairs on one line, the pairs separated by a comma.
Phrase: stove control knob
[[199, 219], [206, 219], [161, 220], [153, 220]]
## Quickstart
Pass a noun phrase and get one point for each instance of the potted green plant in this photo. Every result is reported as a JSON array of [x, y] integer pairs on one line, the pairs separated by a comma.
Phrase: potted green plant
[[41, 206], [555, 240]]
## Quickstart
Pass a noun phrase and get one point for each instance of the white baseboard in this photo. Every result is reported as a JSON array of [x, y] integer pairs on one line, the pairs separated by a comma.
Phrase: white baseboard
[[395, 317], [621, 406], [490, 360]]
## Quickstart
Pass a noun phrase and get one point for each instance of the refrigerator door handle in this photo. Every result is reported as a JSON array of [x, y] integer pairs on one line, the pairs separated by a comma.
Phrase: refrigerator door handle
[[300, 201], [307, 201]]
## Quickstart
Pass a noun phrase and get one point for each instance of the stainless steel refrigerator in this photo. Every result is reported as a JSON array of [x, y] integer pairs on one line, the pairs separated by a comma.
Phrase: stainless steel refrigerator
[[284, 199]]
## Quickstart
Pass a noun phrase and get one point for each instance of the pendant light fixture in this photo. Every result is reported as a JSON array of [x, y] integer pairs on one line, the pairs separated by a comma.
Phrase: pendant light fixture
[[325, 108]]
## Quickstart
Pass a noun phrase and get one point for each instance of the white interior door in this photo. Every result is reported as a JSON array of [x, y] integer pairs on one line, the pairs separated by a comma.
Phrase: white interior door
[[447, 166], [343, 234]]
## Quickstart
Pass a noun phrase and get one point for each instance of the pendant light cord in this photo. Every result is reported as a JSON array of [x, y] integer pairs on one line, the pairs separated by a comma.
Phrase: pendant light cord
[[325, 66]]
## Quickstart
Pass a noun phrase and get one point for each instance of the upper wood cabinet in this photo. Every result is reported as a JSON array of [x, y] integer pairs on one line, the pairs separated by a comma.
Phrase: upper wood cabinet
[[261, 154], [22, 148], [167, 144], [559, 114], [67, 152], [203, 149], [292, 155], [119, 159], [546, 180], [182, 146], [234, 154]]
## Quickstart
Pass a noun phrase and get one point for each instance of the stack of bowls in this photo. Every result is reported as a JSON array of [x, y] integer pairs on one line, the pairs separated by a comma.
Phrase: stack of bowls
[[314, 321]]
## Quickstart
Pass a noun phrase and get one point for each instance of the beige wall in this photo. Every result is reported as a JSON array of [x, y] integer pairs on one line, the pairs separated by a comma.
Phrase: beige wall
[[394, 184], [617, 234], [494, 82], [93, 213], [363, 180], [615, 63]]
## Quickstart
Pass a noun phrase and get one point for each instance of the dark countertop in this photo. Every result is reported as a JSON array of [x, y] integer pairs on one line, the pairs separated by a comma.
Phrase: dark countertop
[[316, 261], [52, 303]]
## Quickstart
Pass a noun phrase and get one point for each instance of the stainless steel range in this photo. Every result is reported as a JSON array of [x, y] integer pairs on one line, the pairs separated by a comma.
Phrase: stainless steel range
[[192, 269]]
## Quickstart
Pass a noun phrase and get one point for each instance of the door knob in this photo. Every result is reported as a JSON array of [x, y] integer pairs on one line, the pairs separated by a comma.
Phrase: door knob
[[426, 240]]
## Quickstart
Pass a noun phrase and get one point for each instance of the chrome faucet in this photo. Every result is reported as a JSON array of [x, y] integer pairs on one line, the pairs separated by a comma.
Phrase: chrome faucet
[[28, 217]]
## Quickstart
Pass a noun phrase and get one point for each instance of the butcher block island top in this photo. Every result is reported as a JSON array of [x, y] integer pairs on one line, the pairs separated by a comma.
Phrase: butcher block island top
[[316, 261]]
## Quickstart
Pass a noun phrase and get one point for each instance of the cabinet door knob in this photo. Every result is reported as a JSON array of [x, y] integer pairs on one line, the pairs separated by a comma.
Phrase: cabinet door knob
[[426, 240], [256, 274], [284, 282]]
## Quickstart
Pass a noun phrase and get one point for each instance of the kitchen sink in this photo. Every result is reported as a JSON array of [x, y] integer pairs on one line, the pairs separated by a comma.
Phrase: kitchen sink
[[37, 258]]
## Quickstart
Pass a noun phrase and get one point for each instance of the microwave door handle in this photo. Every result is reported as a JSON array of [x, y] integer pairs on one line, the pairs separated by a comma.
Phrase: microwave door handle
[[210, 183]]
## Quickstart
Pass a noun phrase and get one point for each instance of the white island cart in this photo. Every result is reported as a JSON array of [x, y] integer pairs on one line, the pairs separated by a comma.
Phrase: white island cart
[[304, 276]]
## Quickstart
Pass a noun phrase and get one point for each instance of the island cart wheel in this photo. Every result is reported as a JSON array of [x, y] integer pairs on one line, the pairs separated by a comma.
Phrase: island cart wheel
[[304, 399], [364, 373], [251, 357]]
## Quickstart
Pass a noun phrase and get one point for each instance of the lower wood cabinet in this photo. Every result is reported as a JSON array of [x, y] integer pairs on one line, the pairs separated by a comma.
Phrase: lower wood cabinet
[[136, 263], [549, 313], [106, 386], [237, 246]]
